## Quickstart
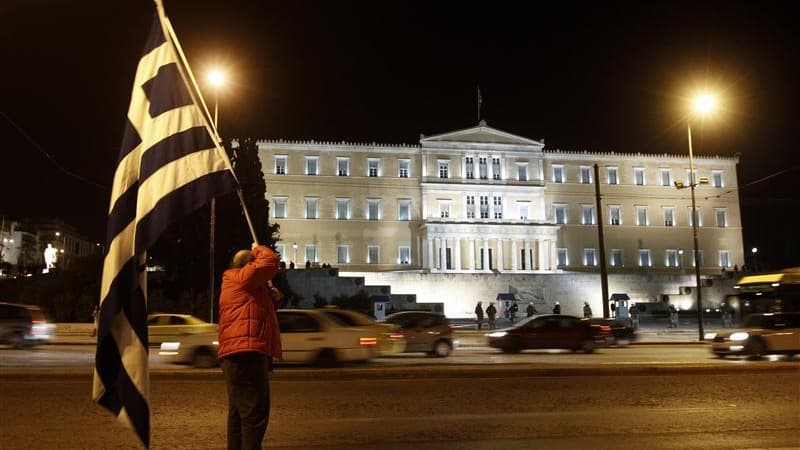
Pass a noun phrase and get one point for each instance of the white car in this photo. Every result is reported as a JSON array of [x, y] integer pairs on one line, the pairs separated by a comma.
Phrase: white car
[[762, 334], [184, 339], [311, 337]]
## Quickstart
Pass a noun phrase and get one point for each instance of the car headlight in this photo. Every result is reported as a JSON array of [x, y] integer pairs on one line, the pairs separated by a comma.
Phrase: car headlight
[[497, 334], [739, 336], [170, 346], [709, 336]]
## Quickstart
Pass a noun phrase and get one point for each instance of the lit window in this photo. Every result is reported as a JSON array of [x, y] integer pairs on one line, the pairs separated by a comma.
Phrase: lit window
[[616, 257], [641, 216], [672, 256], [469, 167], [444, 209], [280, 164], [613, 175], [373, 254], [614, 215], [484, 199], [404, 168], [343, 208], [558, 174], [644, 258], [496, 169], [638, 176], [724, 258], [589, 257], [470, 207], [482, 168], [404, 255], [522, 172], [523, 211], [311, 208], [716, 179], [373, 167], [669, 217], [691, 217], [404, 210], [342, 254], [279, 207], [561, 257], [587, 214], [666, 177], [311, 253], [722, 217], [444, 169], [498, 207], [586, 175], [311, 165], [560, 213], [343, 166], [373, 209]]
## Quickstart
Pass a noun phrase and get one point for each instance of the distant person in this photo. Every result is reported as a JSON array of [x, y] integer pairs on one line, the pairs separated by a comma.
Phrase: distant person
[[308, 264], [479, 314], [613, 309], [530, 310], [557, 308], [512, 311], [95, 318], [291, 265], [249, 339], [634, 316], [587, 310], [673, 317], [491, 314]]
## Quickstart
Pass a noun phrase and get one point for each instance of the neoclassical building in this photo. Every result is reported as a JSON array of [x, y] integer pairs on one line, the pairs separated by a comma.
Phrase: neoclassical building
[[481, 200]]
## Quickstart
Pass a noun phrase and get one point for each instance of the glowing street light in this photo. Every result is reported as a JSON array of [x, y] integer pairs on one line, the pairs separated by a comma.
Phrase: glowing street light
[[703, 105], [216, 78]]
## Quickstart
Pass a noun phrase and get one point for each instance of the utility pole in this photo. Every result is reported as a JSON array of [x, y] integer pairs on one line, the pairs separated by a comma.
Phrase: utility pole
[[602, 244]]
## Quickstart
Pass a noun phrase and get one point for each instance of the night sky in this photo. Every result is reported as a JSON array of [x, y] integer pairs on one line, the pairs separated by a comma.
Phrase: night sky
[[597, 76]]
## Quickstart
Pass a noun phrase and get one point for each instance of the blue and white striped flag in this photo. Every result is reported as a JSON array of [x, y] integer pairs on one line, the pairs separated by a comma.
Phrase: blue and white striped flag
[[170, 164]]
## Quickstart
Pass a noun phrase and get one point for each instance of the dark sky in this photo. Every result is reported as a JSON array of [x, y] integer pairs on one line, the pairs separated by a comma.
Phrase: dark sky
[[598, 76]]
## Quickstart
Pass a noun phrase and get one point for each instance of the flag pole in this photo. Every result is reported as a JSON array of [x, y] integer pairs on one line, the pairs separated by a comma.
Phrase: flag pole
[[188, 78]]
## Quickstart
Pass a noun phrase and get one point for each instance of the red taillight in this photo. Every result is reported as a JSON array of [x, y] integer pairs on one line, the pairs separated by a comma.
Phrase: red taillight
[[39, 321], [368, 341]]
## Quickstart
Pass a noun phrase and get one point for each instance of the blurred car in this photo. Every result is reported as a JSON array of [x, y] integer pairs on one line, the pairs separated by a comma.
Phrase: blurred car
[[24, 325], [184, 339], [551, 331], [390, 338], [762, 334], [424, 331], [622, 334], [311, 336]]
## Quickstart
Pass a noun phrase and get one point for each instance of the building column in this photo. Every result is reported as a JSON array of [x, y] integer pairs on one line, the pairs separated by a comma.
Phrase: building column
[[552, 263], [485, 258], [457, 254], [528, 260], [437, 243], [514, 255], [500, 262], [471, 253], [429, 251]]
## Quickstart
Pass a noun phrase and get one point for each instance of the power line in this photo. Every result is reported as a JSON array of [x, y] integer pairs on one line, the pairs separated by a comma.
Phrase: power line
[[50, 157]]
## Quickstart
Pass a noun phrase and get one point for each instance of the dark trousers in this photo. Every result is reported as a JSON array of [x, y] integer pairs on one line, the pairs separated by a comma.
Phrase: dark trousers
[[248, 399]]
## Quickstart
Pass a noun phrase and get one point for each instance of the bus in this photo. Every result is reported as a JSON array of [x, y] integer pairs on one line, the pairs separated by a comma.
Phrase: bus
[[767, 292]]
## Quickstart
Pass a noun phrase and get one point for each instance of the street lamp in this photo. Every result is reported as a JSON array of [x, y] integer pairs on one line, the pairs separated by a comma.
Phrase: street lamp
[[702, 105], [216, 78], [754, 251]]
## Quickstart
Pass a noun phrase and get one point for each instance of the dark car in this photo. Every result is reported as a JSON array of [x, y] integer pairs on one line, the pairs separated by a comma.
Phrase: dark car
[[554, 331], [426, 332], [23, 325], [622, 333]]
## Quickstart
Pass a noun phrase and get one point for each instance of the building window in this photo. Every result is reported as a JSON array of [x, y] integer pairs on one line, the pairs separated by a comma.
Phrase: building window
[[311, 165], [586, 175], [311, 208], [523, 211], [558, 174], [644, 258], [343, 166], [589, 258], [311, 253], [638, 176], [404, 255], [373, 254], [444, 169], [374, 209], [373, 167], [669, 217], [343, 254], [560, 214], [522, 171], [444, 209], [281, 250], [404, 167], [666, 177], [722, 217], [498, 207], [496, 169], [280, 164], [482, 169], [672, 258], [470, 207], [279, 207], [343, 208], [613, 175], [404, 210], [691, 217], [587, 214], [616, 257], [561, 257], [716, 179], [484, 199], [641, 216], [724, 258], [614, 215], [469, 167]]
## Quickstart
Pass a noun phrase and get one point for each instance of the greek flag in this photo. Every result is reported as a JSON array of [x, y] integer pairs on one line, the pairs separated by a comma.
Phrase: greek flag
[[170, 163]]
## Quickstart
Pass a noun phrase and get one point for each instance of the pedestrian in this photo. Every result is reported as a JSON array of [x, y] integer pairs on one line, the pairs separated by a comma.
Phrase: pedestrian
[[587, 310], [634, 316], [249, 340], [557, 308], [491, 314], [673, 317], [479, 314], [530, 310], [513, 309], [95, 318]]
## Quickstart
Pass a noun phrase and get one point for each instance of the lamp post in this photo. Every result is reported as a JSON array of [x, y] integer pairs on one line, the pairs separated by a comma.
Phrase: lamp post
[[703, 105], [216, 78], [754, 251]]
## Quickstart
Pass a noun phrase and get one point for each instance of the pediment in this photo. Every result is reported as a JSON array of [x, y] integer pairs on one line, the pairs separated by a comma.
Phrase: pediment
[[481, 134]]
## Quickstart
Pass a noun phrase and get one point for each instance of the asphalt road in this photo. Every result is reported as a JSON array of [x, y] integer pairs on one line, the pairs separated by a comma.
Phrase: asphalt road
[[433, 407]]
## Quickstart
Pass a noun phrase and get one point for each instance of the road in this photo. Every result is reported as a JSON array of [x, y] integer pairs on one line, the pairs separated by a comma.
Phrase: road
[[442, 407]]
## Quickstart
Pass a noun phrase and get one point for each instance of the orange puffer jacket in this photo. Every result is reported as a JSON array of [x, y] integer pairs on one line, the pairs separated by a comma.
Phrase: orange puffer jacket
[[247, 319]]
